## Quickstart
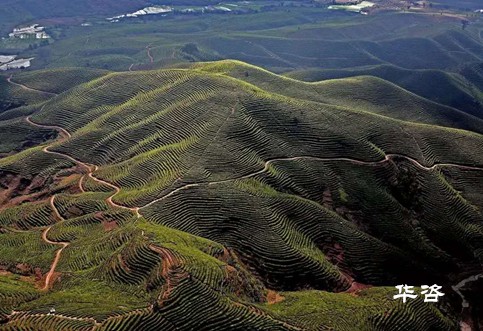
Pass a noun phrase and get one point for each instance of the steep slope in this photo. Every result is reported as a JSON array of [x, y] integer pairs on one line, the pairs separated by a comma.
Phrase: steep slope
[[56, 81], [449, 89], [181, 198], [360, 92]]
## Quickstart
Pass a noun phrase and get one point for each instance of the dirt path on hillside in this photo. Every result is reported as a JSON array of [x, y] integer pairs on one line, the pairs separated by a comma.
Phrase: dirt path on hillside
[[169, 262], [92, 168], [117, 189], [9, 79], [81, 188], [50, 274], [64, 135], [354, 161], [148, 51], [457, 288]]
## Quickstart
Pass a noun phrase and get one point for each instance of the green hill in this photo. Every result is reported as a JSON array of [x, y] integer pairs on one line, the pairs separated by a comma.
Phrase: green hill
[[454, 90], [365, 93], [57, 80], [222, 196]]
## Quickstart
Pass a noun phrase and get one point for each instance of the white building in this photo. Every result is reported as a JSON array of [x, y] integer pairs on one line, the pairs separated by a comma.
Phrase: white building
[[33, 31]]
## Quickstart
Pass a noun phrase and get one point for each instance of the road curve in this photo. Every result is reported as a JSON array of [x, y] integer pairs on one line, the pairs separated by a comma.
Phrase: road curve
[[354, 161], [148, 51], [64, 135], [51, 272], [117, 189], [90, 168], [9, 79], [457, 288]]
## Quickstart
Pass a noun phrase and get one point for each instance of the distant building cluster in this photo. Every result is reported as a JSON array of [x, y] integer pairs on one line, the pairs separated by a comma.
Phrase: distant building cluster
[[207, 9], [218, 9], [145, 11], [346, 2], [33, 31], [361, 7]]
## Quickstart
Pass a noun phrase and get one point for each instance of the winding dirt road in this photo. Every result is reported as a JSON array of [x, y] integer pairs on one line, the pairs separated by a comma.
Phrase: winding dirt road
[[465, 305], [148, 51], [64, 135], [457, 288], [387, 157], [9, 79], [89, 167], [51, 272], [92, 168], [117, 189]]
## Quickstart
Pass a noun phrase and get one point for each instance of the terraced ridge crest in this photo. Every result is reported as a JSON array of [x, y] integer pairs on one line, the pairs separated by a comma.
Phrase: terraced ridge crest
[[188, 198]]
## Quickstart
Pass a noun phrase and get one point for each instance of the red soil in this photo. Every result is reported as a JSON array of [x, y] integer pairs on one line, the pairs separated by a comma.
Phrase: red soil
[[109, 225], [274, 297], [356, 288], [171, 266]]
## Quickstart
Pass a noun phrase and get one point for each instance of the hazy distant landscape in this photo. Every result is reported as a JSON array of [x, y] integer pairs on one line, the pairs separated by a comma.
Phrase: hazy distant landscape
[[246, 165]]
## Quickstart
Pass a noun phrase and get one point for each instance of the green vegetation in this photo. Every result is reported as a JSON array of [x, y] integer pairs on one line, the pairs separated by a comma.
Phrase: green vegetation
[[57, 80], [458, 90], [370, 309], [273, 170], [23, 252], [248, 183]]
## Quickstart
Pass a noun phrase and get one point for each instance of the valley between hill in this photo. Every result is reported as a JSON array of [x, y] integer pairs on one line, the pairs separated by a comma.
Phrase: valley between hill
[[220, 195]]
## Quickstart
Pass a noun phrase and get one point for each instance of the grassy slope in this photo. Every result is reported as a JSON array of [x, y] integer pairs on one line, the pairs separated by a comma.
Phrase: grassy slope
[[300, 224], [442, 87], [280, 40], [357, 92], [57, 80]]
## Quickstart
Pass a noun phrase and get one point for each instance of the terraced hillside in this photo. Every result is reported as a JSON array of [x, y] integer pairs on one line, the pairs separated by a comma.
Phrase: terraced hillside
[[279, 39], [460, 90], [433, 56], [221, 196]]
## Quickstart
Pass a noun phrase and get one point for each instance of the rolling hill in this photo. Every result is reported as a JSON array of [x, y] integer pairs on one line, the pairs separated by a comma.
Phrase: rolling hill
[[221, 196], [452, 89]]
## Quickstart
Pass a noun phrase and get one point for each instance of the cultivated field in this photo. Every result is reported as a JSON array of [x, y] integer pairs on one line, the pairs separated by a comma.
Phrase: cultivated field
[[278, 169], [221, 194]]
